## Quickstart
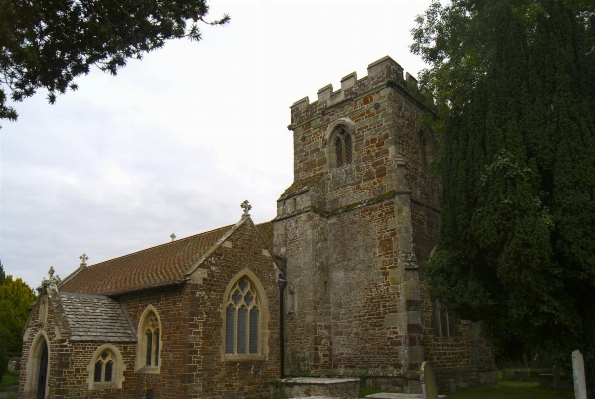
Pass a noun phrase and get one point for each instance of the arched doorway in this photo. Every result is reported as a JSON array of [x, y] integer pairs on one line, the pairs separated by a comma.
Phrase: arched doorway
[[43, 372], [38, 368]]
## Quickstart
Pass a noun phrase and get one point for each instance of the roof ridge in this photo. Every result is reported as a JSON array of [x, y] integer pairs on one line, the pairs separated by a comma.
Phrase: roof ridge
[[157, 246], [85, 295]]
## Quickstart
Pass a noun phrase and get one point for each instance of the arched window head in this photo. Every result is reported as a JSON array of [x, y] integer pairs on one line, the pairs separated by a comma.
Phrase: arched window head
[[242, 319], [148, 356], [106, 370], [338, 141], [343, 147]]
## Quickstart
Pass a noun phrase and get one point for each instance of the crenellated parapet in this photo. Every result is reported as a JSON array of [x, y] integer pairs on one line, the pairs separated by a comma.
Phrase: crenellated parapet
[[381, 73]]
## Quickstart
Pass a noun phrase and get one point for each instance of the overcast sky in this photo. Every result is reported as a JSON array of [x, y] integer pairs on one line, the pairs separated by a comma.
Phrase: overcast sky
[[175, 142]]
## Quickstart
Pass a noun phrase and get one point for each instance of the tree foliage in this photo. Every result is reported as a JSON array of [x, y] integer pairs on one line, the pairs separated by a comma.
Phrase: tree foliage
[[48, 43], [2, 273], [16, 298], [3, 351], [514, 82]]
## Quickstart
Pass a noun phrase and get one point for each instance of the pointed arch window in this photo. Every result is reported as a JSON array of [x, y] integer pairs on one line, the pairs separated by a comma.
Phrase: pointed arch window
[[106, 370], [343, 148], [104, 367], [242, 320], [149, 342]]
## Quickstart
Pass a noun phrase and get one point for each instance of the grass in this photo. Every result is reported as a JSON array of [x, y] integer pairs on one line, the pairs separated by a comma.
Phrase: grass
[[509, 390], [9, 379]]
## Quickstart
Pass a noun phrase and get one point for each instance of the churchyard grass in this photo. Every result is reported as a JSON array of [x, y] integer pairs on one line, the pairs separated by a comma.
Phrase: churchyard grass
[[509, 390], [504, 390], [9, 379]]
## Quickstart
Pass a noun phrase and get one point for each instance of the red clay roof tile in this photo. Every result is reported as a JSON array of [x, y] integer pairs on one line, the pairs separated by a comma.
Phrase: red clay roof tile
[[164, 264]]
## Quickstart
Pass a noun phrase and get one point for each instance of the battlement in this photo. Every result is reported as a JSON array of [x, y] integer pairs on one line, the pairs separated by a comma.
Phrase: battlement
[[380, 73]]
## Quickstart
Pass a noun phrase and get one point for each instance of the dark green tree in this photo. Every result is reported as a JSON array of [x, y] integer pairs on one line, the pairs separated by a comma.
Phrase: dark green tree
[[514, 83], [2, 274], [48, 43], [16, 298], [3, 351]]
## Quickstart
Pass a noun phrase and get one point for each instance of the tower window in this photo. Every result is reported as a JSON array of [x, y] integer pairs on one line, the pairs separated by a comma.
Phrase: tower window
[[343, 148]]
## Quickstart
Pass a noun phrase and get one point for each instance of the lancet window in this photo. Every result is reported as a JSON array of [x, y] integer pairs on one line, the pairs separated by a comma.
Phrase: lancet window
[[343, 148]]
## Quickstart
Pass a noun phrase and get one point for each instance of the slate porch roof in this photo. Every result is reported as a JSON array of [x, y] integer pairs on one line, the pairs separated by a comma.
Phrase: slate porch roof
[[96, 318], [162, 265]]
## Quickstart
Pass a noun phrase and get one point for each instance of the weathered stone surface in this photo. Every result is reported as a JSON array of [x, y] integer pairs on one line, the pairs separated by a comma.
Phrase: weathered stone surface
[[578, 375], [346, 388], [428, 381], [356, 236]]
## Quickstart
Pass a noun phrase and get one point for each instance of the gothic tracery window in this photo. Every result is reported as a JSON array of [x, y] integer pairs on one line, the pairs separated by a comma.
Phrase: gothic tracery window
[[242, 319], [106, 370], [104, 367], [149, 335]]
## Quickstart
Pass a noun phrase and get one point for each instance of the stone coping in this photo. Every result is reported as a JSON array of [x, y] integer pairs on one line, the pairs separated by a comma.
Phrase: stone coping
[[315, 380], [400, 396]]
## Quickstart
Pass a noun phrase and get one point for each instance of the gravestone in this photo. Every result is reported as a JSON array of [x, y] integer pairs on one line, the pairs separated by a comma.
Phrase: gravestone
[[428, 381], [453, 385], [578, 373]]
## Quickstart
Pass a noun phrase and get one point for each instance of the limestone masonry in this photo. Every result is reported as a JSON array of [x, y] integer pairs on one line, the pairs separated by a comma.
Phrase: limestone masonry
[[199, 317]]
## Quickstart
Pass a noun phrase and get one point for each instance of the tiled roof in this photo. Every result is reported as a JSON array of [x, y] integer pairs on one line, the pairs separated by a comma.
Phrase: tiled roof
[[96, 318], [158, 266], [300, 186], [266, 231]]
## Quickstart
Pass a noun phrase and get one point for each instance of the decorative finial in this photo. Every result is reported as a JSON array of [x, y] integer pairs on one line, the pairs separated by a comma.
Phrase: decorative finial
[[246, 206], [51, 272], [173, 236], [83, 259]]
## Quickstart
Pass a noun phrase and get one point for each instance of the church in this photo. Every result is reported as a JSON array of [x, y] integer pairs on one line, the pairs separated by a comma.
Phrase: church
[[333, 286]]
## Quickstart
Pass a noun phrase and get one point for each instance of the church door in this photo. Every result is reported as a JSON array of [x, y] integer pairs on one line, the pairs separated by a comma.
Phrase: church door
[[43, 372]]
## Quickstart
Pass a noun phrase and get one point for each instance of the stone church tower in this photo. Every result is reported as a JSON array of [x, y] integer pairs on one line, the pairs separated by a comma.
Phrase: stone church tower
[[355, 229]]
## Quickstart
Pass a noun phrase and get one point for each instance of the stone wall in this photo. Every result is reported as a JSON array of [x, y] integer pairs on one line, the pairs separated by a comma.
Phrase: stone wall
[[212, 375], [355, 237], [171, 306], [347, 232], [192, 359]]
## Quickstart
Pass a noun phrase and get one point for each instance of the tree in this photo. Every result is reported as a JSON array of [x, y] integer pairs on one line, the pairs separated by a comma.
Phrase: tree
[[16, 298], [48, 43], [3, 351], [514, 84], [2, 274]]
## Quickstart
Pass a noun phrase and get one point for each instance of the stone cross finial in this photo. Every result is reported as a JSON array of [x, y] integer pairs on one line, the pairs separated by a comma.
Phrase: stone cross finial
[[246, 206], [173, 236], [83, 259], [51, 272]]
